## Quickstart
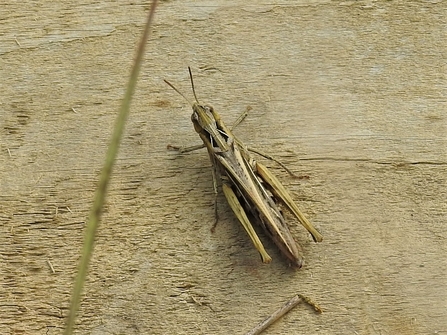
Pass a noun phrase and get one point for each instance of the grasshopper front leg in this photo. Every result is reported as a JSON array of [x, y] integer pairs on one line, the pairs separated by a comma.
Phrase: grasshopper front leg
[[186, 149], [242, 217]]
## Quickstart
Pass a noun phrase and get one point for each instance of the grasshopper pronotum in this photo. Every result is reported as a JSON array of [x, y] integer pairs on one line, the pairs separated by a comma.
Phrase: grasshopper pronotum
[[247, 184]]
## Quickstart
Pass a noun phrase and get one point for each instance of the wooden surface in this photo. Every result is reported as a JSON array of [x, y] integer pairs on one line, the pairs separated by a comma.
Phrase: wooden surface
[[352, 94]]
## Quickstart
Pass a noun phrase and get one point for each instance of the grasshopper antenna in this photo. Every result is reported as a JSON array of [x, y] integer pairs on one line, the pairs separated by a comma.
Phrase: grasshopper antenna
[[175, 89], [192, 84]]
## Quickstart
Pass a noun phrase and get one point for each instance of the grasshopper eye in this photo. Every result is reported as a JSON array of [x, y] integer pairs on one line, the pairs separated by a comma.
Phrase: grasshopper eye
[[194, 116]]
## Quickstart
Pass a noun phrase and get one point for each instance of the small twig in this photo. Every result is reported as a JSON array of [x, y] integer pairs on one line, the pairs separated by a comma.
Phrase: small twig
[[51, 266], [312, 303], [198, 302], [15, 38], [279, 313], [275, 316], [9, 152]]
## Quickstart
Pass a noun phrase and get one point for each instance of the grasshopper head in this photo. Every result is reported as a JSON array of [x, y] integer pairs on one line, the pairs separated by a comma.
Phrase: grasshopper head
[[202, 115], [204, 119]]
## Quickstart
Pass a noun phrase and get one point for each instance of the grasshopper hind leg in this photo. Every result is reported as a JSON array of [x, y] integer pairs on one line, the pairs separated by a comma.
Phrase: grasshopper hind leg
[[238, 210], [278, 189]]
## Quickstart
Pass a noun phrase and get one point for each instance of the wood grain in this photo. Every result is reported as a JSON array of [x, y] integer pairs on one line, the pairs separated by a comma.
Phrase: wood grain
[[352, 94]]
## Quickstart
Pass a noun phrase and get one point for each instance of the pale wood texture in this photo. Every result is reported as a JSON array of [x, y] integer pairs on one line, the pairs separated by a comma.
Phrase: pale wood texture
[[352, 94]]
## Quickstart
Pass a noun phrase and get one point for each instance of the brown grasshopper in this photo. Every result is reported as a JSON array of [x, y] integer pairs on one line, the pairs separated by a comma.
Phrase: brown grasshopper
[[247, 184]]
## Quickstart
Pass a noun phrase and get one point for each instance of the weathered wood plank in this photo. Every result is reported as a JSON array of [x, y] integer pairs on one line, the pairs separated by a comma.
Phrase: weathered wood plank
[[351, 94]]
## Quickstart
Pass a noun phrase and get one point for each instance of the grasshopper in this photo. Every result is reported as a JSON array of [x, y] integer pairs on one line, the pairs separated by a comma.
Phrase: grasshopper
[[247, 185]]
